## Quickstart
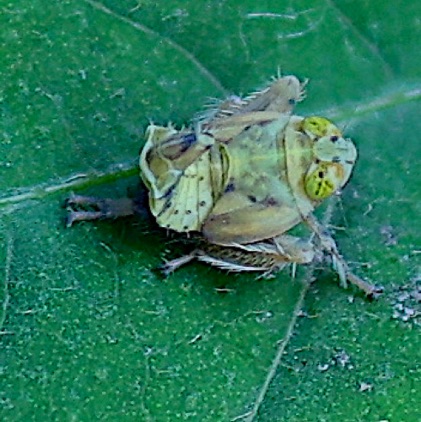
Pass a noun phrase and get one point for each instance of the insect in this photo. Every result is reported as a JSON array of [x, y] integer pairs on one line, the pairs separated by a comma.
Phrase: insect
[[239, 179]]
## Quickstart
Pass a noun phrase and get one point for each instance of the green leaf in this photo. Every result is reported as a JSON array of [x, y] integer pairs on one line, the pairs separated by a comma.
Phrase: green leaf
[[89, 330]]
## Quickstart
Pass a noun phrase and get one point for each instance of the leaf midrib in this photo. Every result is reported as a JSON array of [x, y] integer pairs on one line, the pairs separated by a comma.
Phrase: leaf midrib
[[79, 181]]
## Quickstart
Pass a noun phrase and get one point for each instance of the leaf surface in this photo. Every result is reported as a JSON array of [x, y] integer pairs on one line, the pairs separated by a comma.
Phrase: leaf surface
[[89, 329]]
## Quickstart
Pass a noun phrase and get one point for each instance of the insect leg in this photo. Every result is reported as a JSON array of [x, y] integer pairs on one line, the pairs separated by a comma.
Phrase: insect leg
[[88, 208], [328, 244]]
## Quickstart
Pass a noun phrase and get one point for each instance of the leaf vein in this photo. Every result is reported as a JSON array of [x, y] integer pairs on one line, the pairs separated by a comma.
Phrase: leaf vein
[[372, 47], [252, 415], [117, 171], [143, 28], [6, 294]]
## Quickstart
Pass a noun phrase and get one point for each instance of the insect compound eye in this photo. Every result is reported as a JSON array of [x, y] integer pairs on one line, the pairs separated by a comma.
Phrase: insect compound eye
[[323, 180], [316, 126]]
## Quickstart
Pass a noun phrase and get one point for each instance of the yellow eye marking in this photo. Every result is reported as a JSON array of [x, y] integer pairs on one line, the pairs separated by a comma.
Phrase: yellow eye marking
[[319, 126], [323, 181]]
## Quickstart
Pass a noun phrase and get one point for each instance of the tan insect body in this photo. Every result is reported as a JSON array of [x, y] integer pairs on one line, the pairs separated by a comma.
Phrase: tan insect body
[[244, 175]]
